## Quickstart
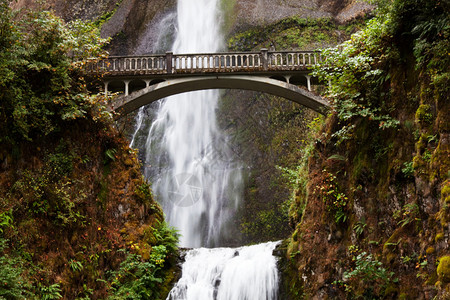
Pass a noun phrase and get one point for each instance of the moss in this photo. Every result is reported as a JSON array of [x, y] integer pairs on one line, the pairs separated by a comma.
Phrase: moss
[[392, 242], [424, 115], [439, 237], [445, 192], [391, 291], [430, 250], [227, 7], [292, 248], [443, 269], [292, 32], [403, 296]]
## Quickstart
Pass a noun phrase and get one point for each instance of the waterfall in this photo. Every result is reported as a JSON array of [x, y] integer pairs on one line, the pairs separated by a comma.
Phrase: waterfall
[[245, 273], [194, 174]]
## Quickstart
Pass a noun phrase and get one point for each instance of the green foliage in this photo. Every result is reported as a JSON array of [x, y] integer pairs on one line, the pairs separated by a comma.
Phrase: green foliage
[[48, 191], [335, 200], [6, 220], [50, 292], [167, 236], [360, 226], [408, 169], [107, 15], [138, 278], [41, 86], [75, 265], [367, 275], [110, 155], [356, 79], [298, 177], [424, 115], [407, 214], [144, 192], [12, 285], [292, 32]]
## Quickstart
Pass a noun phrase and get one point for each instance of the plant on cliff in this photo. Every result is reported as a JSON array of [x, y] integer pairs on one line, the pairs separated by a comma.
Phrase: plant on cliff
[[354, 71], [390, 108], [69, 185], [367, 276], [41, 82], [139, 278]]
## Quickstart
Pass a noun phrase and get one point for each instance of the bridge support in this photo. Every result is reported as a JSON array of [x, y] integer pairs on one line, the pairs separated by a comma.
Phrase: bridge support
[[106, 87], [308, 82], [127, 85]]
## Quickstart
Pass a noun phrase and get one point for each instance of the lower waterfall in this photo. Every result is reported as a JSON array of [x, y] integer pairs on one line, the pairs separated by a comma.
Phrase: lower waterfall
[[244, 273]]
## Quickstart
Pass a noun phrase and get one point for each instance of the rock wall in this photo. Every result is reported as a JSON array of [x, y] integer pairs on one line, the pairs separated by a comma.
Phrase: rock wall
[[261, 12], [133, 24]]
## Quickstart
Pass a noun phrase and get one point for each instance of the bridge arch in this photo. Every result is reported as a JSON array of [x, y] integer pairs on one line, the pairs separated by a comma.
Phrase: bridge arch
[[125, 104]]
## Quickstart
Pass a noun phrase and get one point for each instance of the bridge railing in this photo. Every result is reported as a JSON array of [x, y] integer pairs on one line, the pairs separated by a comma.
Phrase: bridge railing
[[170, 63]]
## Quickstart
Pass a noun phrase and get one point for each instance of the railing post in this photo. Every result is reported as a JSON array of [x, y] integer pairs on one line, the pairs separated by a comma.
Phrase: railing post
[[169, 56], [264, 58]]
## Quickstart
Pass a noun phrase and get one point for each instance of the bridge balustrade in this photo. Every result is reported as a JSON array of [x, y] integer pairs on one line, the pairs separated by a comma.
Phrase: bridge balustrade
[[231, 62]]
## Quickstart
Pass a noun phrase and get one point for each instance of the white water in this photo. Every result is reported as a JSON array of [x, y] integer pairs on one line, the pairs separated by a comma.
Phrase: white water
[[193, 173], [196, 177], [246, 273]]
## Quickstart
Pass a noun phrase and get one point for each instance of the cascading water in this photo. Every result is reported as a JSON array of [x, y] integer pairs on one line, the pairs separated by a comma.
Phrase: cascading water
[[246, 273], [196, 178], [197, 183]]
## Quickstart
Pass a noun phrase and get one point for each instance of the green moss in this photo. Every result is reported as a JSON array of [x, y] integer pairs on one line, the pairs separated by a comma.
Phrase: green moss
[[403, 296], [424, 115], [430, 250], [107, 15], [227, 7], [391, 291], [443, 269], [392, 242], [445, 192], [439, 237], [292, 32]]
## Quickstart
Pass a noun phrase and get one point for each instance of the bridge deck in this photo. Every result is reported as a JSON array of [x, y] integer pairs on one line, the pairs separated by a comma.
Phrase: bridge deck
[[169, 64]]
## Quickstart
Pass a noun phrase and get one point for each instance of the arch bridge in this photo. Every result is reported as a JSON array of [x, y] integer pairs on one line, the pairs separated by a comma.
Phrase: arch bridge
[[145, 79]]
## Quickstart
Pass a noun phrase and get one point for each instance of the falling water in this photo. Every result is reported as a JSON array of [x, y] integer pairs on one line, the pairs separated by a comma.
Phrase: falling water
[[194, 175], [246, 273]]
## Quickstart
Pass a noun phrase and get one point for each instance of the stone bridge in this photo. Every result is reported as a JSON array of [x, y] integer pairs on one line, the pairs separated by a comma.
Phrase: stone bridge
[[144, 79]]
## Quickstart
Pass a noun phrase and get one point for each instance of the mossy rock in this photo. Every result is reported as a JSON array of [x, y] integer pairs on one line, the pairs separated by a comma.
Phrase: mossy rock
[[445, 192], [424, 115], [430, 250], [443, 269], [439, 237]]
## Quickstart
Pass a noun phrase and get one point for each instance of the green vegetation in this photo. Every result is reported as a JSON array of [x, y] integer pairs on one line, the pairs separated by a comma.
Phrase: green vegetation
[[74, 207], [367, 277], [379, 170], [41, 83], [443, 269], [293, 33], [139, 278]]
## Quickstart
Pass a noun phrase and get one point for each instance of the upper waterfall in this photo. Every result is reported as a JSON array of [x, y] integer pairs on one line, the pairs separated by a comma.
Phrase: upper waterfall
[[194, 174]]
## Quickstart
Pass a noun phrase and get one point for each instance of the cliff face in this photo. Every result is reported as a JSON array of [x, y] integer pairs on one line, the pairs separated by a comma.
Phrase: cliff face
[[133, 24], [263, 12], [376, 222], [77, 218], [128, 22]]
